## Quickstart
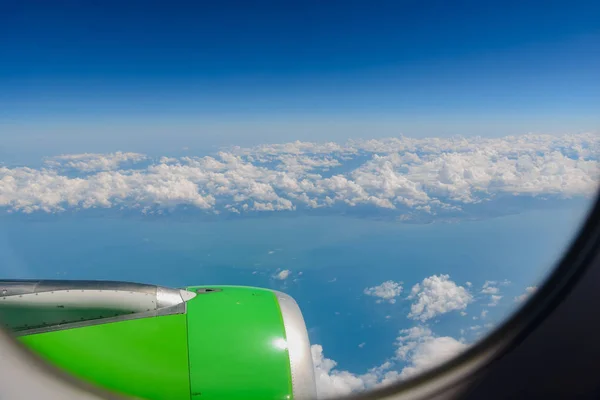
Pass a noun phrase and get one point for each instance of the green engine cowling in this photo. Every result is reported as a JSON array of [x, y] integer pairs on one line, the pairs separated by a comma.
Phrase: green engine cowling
[[149, 342]]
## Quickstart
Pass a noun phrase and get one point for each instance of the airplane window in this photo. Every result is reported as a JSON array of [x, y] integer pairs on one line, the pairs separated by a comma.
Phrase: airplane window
[[285, 200]]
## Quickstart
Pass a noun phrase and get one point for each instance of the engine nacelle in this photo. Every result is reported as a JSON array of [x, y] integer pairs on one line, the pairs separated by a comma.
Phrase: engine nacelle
[[150, 342]]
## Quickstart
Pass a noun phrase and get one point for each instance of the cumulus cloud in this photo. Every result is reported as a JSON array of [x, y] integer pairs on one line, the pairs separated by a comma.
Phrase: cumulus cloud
[[417, 349], [387, 291], [429, 176], [437, 295], [332, 382], [528, 292], [422, 350], [282, 275]]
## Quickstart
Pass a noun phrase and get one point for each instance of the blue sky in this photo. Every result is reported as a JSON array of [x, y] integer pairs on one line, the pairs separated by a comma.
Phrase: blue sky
[[238, 73]]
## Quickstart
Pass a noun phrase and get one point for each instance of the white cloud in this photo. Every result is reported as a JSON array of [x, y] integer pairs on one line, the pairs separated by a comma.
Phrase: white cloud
[[490, 288], [422, 350], [429, 176], [361, 345], [89, 162], [417, 349], [528, 292], [437, 295], [282, 275], [387, 291], [332, 382], [494, 300], [484, 314]]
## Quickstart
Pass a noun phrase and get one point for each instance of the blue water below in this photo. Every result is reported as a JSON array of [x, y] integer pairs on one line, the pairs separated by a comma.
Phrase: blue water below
[[338, 255]]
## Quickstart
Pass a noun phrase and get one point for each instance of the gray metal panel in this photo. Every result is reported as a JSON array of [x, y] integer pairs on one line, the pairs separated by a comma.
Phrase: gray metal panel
[[177, 309], [52, 308], [50, 305], [166, 297], [12, 288], [24, 286], [304, 386]]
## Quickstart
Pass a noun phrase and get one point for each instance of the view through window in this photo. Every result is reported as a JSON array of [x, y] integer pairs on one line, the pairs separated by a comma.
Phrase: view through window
[[408, 172]]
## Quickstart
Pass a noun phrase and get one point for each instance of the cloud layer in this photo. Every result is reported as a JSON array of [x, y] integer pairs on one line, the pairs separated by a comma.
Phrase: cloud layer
[[90, 162], [410, 177]]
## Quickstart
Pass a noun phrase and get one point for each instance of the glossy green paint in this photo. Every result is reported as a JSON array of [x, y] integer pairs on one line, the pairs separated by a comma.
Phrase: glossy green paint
[[236, 342], [144, 358]]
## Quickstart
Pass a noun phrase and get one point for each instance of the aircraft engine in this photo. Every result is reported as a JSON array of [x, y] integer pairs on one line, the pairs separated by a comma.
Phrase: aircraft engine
[[152, 342]]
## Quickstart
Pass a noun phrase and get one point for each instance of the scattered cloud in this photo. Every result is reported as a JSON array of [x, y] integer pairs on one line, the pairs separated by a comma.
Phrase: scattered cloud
[[282, 275], [494, 300], [427, 177], [484, 314], [361, 345], [489, 287], [528, 292], [387, 291], [437, 295]]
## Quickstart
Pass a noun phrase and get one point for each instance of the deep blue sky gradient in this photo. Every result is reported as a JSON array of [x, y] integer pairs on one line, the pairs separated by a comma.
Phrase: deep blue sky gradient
[[229, 70]]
